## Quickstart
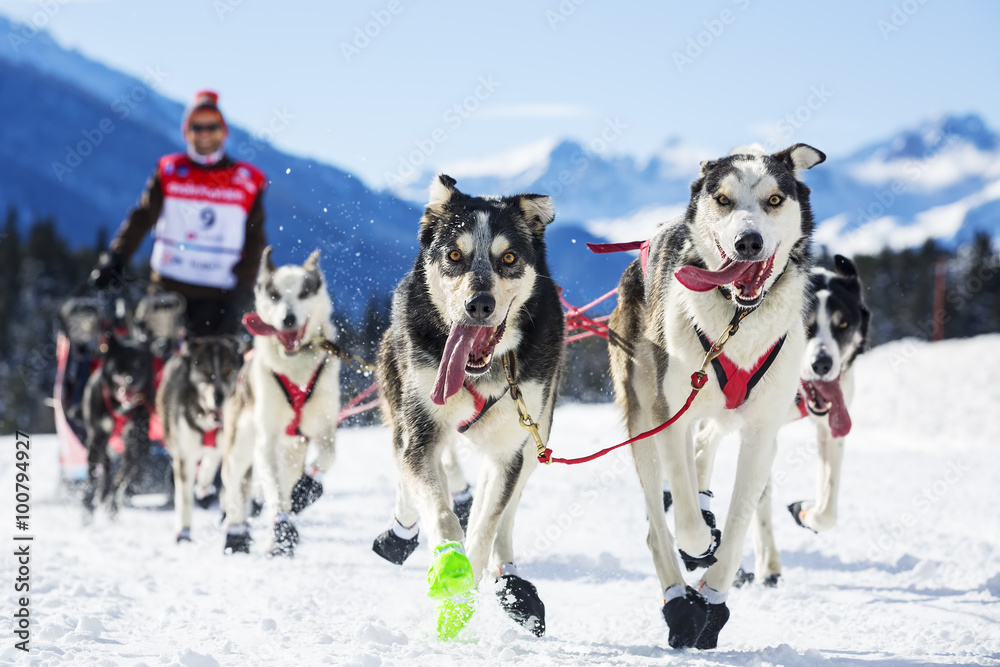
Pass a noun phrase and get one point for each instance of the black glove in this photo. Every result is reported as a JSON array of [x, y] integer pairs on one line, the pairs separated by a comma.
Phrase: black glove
[[109, 269]]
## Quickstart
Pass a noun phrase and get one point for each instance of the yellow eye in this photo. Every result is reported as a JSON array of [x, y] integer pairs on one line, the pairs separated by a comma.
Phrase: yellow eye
[[843, 325], [455, 255], [775, 200], [509, 258], [723, 200]]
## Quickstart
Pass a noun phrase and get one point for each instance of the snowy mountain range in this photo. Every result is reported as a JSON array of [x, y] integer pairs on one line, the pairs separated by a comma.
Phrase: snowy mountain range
[[79, 140], [940, 180]]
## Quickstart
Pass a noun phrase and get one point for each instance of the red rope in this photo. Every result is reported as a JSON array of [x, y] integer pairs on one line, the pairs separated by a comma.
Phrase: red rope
[[697, 382], [352, 408]]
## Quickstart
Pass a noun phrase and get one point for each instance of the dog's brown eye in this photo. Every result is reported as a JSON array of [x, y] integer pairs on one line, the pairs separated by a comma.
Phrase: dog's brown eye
[[274, 295], [842, 325], [775, 200], [509, 258], [455, 255], [723, 200]]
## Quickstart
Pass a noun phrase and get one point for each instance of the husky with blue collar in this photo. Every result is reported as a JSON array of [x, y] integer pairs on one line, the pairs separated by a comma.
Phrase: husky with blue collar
[[740, 256], [478, 302]]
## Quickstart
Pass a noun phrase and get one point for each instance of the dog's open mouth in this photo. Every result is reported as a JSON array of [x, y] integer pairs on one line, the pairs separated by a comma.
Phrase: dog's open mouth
[[825, 398], [747, 278], [291, 341], [468, 351], [127, 394]]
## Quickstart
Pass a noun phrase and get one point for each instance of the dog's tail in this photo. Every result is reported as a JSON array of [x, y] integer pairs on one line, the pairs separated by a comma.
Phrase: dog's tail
[[624, 329]]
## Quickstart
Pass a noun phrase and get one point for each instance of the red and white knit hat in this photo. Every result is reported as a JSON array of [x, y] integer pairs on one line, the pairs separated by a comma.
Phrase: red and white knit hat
[[204, 100]]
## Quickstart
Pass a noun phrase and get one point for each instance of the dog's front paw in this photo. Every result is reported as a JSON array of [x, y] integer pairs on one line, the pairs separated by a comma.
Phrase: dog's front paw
[[718, 615], [798, 511], [742, 578], [206, 497], [184, 535], [450, 574], [519, 598], [706, 559], [394, 548], [238, 540], [453, 615], [306, 491], [285, 538], [686, 614]]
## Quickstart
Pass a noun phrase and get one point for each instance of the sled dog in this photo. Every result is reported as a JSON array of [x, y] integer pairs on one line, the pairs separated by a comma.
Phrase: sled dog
[[196, 382], [118, 397], [287, 396], [837, 323], [479, 300], [733, 271]]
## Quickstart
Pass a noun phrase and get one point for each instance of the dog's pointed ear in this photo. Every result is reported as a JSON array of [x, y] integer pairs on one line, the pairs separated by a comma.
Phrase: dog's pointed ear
[[441, 191], [266, 263], [538, 210], [312, 262], [800, 157], [845, 267]]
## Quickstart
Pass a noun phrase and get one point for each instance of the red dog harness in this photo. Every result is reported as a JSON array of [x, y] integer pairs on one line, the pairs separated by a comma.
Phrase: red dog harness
[[297, 397], [735, 382]]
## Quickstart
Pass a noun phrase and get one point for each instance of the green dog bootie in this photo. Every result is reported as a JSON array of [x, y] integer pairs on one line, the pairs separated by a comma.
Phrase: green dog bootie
[[450, 580], [452, 617], [450, 573]]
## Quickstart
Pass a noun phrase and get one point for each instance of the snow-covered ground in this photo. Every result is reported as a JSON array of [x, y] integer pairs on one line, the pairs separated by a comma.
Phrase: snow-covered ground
[[911, 574]]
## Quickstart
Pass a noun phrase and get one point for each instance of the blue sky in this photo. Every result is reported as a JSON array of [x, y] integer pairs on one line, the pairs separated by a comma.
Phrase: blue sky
[[461, 80]]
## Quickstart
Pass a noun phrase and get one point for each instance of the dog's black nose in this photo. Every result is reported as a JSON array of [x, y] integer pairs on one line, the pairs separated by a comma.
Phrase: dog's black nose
[[480, 306], [289, 321], [822, 364], [749, 245]]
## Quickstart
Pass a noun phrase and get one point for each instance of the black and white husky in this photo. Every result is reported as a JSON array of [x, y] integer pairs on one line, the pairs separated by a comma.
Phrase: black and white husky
[[196, 382], [287, 396], [479, 297], [742, 249], [837, 323]]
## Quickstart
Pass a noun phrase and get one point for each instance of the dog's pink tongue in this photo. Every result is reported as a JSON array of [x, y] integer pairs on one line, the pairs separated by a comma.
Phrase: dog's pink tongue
[[703, 280], [451, 372], [840, 420], [257, 326]]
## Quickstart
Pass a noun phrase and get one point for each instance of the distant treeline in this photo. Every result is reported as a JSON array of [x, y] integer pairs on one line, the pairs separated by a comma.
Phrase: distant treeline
[[39, 270]]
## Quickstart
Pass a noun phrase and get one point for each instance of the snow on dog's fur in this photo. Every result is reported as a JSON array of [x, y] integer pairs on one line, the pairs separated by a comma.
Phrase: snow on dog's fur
[[262, 431], [743, 244], [479, 290]]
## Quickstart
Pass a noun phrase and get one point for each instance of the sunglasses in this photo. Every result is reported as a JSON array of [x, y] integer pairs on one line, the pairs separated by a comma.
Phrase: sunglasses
[[210, 127]]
